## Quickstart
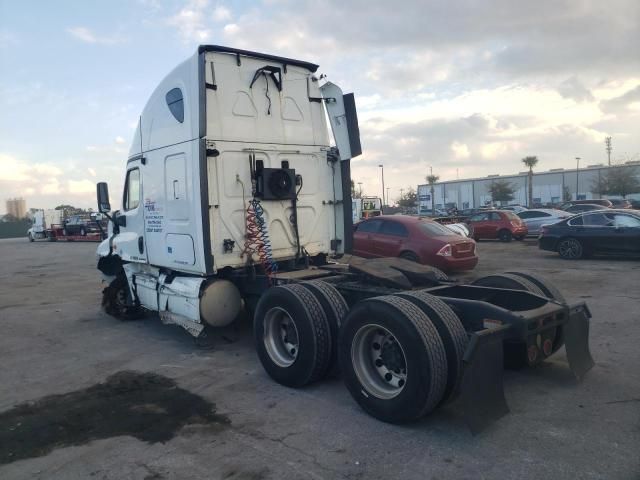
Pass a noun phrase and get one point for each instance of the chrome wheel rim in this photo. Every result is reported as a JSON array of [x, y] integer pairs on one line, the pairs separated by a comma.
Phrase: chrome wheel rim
[[379, 361], [281, 338]]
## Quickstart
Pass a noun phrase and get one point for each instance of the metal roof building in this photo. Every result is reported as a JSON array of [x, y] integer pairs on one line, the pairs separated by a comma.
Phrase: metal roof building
[[548, 187]]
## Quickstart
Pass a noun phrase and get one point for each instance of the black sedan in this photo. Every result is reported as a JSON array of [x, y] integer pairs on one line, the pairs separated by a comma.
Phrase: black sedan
[[584, 207], [599, 232]]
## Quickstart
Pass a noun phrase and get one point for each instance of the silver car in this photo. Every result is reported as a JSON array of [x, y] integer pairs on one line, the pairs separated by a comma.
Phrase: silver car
[[537, 217]]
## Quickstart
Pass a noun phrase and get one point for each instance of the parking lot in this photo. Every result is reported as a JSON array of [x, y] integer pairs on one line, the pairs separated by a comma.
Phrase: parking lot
[[55, 340]]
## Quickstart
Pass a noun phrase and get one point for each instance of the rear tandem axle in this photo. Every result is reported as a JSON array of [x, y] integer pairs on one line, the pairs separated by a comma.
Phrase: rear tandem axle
[[406, 339]]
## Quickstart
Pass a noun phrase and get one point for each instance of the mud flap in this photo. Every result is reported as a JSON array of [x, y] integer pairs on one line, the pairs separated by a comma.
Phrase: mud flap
[[576, 340], [482, 390]]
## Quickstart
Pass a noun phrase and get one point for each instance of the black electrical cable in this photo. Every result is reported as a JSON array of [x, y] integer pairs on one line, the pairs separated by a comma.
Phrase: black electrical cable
[[294, 206], [266, 79]]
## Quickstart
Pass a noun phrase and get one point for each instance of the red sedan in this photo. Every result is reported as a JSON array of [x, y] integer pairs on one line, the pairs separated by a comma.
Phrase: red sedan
[[417, 239]]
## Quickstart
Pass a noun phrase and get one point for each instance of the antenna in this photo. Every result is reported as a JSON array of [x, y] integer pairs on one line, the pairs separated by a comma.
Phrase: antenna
[[140, 126], [608, 148]]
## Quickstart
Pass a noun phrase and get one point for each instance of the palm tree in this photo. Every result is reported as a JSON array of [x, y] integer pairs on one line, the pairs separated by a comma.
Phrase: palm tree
[[432, 180], [530, 162]]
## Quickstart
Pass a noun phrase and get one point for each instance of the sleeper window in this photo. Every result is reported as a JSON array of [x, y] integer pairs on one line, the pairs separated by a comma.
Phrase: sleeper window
[[175, 103]]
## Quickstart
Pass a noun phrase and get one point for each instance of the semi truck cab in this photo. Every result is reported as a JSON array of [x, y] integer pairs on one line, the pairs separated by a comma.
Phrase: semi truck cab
[[234, 197]]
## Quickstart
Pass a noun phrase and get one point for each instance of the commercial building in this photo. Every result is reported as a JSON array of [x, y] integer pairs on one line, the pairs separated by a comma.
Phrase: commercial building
[[16, 207], [548, 187]]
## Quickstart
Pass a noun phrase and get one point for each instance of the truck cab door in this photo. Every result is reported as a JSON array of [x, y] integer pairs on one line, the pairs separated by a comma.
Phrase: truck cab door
[[129, 243]]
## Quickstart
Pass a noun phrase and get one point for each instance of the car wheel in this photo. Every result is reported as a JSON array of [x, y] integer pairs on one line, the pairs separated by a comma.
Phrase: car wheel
[[570, 249], [410, 256], [505, 235]]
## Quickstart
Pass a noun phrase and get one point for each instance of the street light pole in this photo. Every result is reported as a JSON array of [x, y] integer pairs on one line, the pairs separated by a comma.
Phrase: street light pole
[[360, 184], [388, 188], [382, 168], [577, 174]]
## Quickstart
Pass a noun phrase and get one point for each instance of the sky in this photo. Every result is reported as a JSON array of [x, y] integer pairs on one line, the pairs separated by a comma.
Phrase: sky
[[467, 88]]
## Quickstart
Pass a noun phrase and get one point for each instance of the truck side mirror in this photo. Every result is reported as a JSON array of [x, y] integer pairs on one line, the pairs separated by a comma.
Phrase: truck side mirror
[[103, 197]]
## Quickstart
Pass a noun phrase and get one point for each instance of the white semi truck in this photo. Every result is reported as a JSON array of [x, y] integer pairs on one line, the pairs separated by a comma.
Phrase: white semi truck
[[234, 198]]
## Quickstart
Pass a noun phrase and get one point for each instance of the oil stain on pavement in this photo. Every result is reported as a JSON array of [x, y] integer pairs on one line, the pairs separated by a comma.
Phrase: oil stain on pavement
[[147, 406]]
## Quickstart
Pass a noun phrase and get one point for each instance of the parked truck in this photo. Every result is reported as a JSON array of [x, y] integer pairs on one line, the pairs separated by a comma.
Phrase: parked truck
[[43, 222], [234, 198], [56, 225]]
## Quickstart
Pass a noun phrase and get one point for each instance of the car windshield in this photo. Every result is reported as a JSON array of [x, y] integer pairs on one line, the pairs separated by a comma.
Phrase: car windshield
[[434, 229]]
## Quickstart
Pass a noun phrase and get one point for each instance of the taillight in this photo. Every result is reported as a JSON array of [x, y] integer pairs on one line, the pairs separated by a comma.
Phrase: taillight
[[445, 251]]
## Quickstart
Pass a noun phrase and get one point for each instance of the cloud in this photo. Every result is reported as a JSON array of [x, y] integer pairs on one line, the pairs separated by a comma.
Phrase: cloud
[[119, 140], [629, 99], [572, 88], [14, 170], [221, 13], [460, 150], [7, 39], [86, 35], [191, 22], [81, 186], [45, 185]]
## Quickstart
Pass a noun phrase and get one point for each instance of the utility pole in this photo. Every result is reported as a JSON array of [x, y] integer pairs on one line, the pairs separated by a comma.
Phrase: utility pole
[[608, 147], [577, 174], [360, 184], [388, 188], [382, 168]]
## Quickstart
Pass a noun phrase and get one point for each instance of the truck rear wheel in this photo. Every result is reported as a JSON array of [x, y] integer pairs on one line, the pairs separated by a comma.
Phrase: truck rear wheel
[[335, 308], [516, 353], [292, 335], [507, 280], [392, 359], [552, 292], [452, 333]]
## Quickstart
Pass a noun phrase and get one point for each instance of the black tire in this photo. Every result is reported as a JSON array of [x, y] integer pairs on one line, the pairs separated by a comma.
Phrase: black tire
[[570, 248], [415, 350], [452, 333], [412, 257], [552, 292], [292, 310], [335, 308], [548, 289], [505, 235], [437, 273], [515, 352], [508, 280], [117, 300]]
